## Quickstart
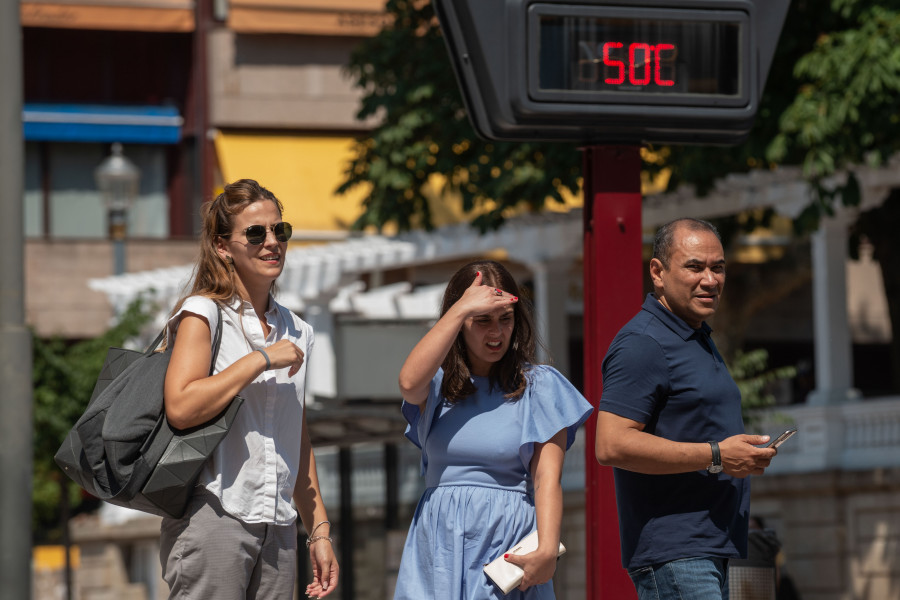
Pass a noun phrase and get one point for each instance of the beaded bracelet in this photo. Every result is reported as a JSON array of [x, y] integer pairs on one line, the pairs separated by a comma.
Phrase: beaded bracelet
[[316, 538]]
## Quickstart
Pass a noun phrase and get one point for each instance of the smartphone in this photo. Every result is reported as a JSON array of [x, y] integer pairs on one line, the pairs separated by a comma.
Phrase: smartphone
[[782, 438]]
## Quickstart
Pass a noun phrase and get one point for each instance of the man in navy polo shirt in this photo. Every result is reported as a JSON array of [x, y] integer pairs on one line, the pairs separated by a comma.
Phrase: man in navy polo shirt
[[670, 422]]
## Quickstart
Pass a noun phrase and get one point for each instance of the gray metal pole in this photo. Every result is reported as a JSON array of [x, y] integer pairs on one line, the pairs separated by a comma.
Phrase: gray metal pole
[[15, 339]]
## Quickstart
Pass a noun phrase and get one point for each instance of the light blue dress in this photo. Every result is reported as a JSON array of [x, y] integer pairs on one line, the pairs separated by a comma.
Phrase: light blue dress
[[479, 497]]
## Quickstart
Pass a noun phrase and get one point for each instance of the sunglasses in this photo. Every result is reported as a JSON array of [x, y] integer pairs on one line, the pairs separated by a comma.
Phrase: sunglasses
[[256, 234]]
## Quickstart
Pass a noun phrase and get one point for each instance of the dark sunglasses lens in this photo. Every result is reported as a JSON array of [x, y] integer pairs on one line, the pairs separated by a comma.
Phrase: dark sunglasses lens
[[256, 234], [283, 231]]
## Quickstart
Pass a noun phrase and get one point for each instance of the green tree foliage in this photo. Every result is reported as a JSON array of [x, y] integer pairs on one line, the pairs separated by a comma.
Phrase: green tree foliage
[[846, 109], [847, 113], [63, 379], [423, 130], [755, 379]]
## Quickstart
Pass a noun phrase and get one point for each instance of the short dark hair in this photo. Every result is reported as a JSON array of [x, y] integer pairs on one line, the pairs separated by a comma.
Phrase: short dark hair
[[665, 236]]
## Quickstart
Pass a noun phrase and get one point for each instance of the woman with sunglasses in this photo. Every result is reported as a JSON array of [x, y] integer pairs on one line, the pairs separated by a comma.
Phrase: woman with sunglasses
[[238, 537]]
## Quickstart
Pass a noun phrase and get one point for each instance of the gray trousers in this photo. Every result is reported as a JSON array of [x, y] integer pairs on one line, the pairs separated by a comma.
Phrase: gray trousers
[[209, 554]]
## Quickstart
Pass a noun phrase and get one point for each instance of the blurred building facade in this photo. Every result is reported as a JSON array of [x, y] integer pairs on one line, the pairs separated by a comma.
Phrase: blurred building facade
[[199, 92], [202, 92]]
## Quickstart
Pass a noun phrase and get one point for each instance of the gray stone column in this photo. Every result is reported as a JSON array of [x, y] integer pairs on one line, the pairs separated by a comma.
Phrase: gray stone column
[[551, 292], [833, 344]]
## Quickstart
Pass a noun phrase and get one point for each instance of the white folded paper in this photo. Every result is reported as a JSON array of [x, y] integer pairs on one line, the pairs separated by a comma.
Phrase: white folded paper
[[506, 575]]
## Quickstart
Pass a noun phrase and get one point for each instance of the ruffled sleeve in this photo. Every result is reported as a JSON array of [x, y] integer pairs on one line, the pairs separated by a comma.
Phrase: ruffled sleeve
[[419, 421], [550, 404]]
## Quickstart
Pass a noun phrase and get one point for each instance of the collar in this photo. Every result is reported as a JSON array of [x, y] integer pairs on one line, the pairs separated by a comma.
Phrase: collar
[[238, 304], [671, 320]]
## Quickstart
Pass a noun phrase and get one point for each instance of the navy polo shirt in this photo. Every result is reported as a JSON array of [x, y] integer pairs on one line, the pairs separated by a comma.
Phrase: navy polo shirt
[[661, 372]]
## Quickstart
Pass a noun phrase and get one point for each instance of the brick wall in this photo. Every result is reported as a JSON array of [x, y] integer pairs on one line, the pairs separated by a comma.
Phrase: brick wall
[[840, 531], [58, 300]]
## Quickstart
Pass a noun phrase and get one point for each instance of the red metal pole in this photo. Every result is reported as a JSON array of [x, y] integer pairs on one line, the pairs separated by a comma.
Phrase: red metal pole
[[613, 290]]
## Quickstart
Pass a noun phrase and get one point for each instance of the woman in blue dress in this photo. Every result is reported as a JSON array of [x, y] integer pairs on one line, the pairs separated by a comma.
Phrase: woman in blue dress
[[493, 428]]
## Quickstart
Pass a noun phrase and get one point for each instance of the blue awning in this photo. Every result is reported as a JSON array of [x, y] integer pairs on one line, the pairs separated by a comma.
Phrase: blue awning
[[99, 123]]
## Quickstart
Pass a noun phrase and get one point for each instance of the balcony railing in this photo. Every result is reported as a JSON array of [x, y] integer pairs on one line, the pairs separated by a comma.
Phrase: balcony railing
[[852, 436]]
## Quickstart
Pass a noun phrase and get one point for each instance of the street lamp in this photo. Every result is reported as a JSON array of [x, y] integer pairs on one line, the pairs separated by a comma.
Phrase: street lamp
[[118, 179]]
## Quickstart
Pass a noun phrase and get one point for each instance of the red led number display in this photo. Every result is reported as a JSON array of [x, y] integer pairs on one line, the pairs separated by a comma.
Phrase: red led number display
[[614, 55], [637, 63]]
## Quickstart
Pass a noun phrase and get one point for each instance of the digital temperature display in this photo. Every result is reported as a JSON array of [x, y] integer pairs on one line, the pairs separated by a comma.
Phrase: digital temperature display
[[612, 54], [612, 71]]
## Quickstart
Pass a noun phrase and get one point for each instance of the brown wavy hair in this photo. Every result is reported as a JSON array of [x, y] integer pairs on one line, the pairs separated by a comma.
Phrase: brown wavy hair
[[213, 277], [508, 373]]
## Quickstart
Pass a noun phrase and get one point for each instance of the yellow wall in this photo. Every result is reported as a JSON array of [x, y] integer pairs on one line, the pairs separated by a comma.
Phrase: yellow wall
[[52, 558], [302, 171]]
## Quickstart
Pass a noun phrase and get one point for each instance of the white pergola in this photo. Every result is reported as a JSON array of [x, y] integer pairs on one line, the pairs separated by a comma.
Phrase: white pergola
[[324, 280]]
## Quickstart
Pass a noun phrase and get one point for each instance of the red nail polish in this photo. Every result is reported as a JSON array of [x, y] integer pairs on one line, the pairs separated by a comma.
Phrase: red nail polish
[[506, 556], [514, 299]]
